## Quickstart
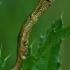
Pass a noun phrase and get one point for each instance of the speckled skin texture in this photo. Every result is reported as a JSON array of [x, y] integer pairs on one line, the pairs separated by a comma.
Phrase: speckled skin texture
[[25, 31]]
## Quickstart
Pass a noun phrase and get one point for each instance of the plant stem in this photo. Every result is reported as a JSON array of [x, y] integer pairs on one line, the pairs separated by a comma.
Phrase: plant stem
[[25, 31]]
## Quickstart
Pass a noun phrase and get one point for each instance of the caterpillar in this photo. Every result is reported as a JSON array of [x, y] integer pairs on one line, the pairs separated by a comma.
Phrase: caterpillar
[[26, 29]]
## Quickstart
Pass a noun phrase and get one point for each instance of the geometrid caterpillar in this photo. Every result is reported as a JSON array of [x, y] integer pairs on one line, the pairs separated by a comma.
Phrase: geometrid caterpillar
[[25, 30]]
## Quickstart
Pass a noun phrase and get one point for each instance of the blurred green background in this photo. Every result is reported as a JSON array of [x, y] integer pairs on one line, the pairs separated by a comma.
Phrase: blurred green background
[[12, 15]]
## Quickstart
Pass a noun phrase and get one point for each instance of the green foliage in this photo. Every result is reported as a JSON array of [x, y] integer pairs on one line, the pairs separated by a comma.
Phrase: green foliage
[[2, 61], [48, 49]]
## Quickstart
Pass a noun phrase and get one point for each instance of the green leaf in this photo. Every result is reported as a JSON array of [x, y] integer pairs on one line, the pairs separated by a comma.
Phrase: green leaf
[[57, 25], [3, 61], [49, 47], [48, 61], [0, 50], [28, 62], [30, 47]]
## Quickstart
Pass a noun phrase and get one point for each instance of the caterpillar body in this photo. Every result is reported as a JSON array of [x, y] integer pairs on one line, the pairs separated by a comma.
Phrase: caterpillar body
[[25, 31]]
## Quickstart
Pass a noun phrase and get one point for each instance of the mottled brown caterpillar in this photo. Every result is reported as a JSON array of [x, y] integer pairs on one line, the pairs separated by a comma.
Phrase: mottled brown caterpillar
[[25, 30]]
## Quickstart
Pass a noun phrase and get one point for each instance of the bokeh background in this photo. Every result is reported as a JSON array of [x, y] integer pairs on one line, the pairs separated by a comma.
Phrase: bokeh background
[[12, 15]]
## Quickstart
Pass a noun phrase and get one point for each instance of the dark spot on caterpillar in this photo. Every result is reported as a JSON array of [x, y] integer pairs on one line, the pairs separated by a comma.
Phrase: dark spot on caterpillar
[[25, 53], [25, 43], [48, 0]]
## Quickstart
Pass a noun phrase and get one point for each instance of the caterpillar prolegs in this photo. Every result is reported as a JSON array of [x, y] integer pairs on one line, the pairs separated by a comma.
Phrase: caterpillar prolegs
[[25, 31]]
